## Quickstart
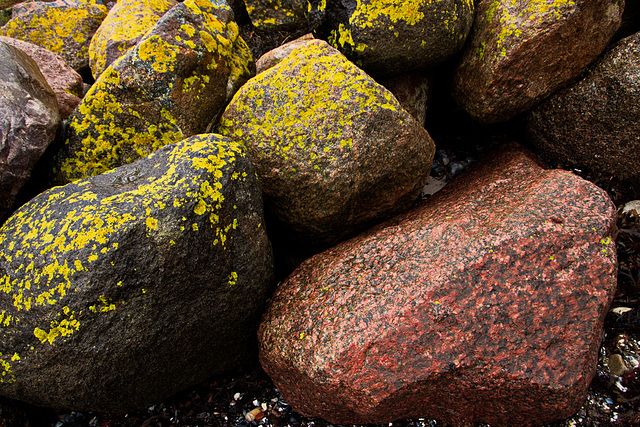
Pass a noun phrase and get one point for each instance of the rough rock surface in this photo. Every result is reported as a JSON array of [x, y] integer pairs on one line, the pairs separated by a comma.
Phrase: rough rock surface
[[397, 36], [173, 84], [521, 52], [123, 27], [276, 55], [595, 123], [412, 91], [64, 27], [64, 80], [278, 14], [120, 290], [485, 304], [29, 120], [325, 138]]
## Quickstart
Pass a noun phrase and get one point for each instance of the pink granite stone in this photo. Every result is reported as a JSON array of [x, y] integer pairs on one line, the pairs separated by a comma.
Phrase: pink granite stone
[[485, 304]]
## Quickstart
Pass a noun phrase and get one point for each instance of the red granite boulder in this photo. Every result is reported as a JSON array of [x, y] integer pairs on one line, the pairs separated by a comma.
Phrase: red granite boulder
[[520, 52], [485, 304]]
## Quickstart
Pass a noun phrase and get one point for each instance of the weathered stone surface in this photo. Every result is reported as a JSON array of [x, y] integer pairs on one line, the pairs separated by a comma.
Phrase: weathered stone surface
[[173, 84], [276, 55], [123, 27], [29, 120], [485, 304], [397, 36], [122, 289], [64, 80], [412, 91], [278, 14], [595, 123], [325, 139], [64, 27], [521, 52]]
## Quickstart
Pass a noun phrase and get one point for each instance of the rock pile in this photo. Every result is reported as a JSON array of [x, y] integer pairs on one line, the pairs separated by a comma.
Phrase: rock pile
[[483, 303]]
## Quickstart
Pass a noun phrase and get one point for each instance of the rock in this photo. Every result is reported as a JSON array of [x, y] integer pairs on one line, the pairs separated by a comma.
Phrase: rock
[[276, 55], [122, 289], [173, 84], [595, 123], [521, 52], [64, 80], [278, 14], [64, 27], [483, 305], [396, 36], [325, 138], [29, 120], [412, 91], [123, 27]]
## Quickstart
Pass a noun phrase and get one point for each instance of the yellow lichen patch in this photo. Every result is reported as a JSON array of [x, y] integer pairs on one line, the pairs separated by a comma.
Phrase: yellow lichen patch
[[104, 305], [233, 278], [406, 11], [315, 114], [161, 55]]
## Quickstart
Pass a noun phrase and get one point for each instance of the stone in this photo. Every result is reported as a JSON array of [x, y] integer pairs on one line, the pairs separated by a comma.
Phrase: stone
[[595, 123], [276, 55], [278, 15], [64, 27], [485, 304], [387, 37], [123, 27], [64, 80], [325, 139], [120, 290], [412, 91], [29, 120], [521, 52], [173, 84]]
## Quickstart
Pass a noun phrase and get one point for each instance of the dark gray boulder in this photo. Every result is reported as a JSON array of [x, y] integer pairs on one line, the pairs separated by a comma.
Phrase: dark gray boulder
[[122, 289], [29, 119]]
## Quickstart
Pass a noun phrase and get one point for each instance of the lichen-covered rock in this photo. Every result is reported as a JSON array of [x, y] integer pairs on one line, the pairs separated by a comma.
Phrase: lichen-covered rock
[[29, 120], [485, 304], [173, 84], [396, 36], [122, 289], [412, 91], [595, 123], [276, 55], [521, 52], [123, 27], [278, 14], [334, 150], [64, 27], [64, 80]]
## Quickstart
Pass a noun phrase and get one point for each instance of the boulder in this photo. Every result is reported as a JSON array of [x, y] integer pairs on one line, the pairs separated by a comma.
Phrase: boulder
[[483, 305], [276, 55], [595, 123], [278, 14], [64, 80], [521, 52], [123, 27], [412, 91], [396, 36], [173, 84], [334, 150], [122, 289], [64, 27], [29, 120]]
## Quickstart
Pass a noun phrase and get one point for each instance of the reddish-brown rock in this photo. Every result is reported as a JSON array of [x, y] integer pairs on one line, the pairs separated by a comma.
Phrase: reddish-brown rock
[[520, 52], [412, 91], [595, 123], [64, 80], [484, 305], [280, 53]]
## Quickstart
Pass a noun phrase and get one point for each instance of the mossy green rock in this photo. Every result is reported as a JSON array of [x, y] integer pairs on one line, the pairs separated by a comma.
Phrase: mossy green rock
[[173, 84], [396, 36], [334, 150], [124, 26], [63, 27], [521, 52], [120, 290]]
